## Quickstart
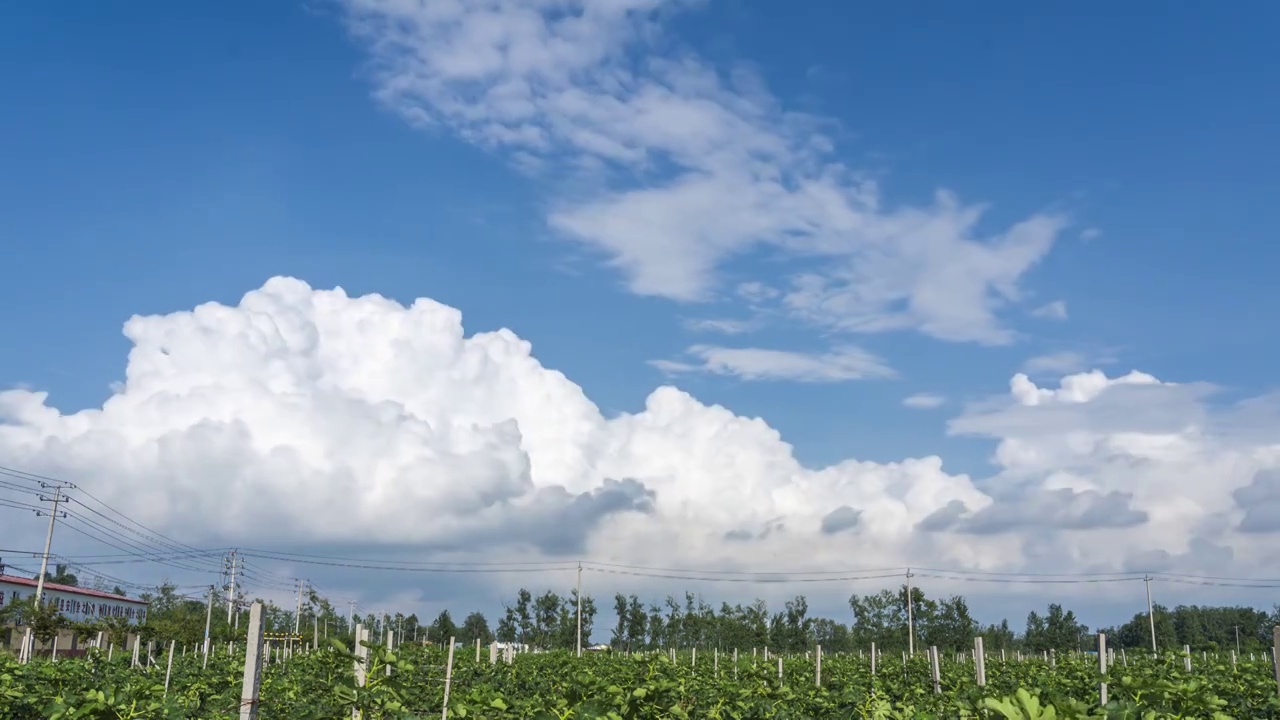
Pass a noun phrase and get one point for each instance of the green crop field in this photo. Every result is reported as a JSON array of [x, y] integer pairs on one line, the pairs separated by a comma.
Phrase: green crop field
[[322, 684]]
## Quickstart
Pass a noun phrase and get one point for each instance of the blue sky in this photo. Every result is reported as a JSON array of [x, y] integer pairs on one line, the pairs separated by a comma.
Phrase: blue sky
[[162, 155], [158, 155]]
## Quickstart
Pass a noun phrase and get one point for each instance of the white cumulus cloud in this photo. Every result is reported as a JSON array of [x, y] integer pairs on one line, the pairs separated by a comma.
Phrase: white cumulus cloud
[[306, 416], [683, 165]]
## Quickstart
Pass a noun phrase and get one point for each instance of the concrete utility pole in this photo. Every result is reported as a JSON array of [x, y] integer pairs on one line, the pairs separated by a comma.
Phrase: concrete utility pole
[[297, 614], [231, 596], [1151, 616], [48, 538], [579, 609], [208, 620], [911, 625], [1237, 627]]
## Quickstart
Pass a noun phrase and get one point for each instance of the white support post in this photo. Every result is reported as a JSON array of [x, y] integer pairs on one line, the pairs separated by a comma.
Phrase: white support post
[[252, 664], [361, 653], [169, 670], [1102, 669], [937, 676], [779, 668], [1275, 652], [817, 667], [391, 639], [873, 659], [1186, 657], [979, 661], [448, 681], [137, 649]]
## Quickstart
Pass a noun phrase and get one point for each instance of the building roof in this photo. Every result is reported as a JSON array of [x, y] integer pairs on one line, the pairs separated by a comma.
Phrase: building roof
[[71, 589]]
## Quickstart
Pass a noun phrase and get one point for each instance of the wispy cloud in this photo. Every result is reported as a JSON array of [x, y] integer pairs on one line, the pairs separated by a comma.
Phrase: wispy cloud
[[1056, 310], [697, 164], [1060, 363], [724, 326], [924, 401], [848, 363]]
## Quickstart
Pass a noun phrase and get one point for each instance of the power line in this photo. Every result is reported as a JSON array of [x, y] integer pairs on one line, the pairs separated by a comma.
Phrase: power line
[[739, 572], [428, 563], [767, 580], [379, 565], [144, 549]]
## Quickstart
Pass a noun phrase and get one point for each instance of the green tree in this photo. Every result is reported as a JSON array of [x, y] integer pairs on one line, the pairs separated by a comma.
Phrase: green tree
[[443, 628], [44, 620], [475, 627], [619, 639], [508, 627], [60, 576], [636, 622]]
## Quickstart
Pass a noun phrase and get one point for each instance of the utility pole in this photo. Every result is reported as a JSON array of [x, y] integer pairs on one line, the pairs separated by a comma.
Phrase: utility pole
[[48, 538], [351, 614], [1151, 616], [231, 596], [1237, 627], [579, 609], [208, 620], [911, 625], [297, 615]]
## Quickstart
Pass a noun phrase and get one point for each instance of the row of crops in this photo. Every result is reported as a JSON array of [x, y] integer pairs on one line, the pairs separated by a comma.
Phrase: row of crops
[[555, 685]]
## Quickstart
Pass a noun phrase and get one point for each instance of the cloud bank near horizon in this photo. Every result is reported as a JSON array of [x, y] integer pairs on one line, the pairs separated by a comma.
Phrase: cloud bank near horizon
[[308, 416]]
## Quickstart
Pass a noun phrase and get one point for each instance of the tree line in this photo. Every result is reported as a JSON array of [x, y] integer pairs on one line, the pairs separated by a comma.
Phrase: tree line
[[550, 621]]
